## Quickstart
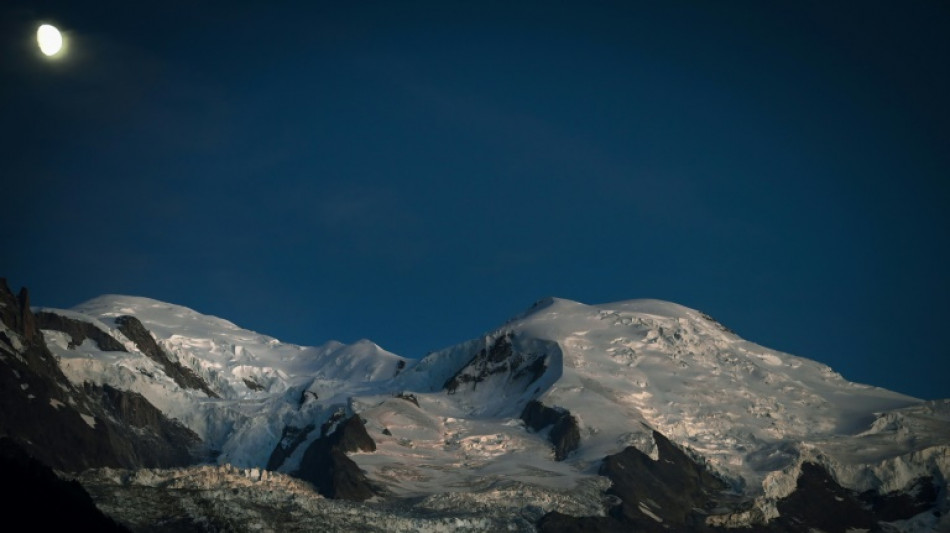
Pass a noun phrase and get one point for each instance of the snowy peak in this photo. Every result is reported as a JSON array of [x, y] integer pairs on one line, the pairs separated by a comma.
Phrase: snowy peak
[[212, 345], [525, 415], [625, 366], [556, 316], [162, 318]]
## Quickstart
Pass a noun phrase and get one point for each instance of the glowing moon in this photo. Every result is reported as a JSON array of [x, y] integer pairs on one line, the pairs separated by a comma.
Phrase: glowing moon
[[49, 39]]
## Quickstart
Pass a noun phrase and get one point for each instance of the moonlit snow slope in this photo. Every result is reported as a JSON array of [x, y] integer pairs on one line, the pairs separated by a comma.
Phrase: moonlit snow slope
[[261, 381], [752, 414]]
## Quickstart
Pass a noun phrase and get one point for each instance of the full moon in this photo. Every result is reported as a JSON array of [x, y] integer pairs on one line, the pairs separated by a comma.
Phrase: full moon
[[49, 39]]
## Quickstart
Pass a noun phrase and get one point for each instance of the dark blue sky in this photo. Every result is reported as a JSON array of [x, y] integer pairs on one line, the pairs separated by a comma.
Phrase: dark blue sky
[[417, 173]]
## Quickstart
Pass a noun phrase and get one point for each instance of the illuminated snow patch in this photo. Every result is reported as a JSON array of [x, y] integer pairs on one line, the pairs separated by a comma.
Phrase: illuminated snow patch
[[645, 510]]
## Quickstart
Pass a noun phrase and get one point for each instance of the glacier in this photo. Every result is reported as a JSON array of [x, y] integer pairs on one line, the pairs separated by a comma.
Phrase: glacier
[[449, 431]]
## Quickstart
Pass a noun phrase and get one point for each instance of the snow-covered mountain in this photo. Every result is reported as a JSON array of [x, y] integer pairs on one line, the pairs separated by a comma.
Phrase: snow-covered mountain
[[259, 384], [636, 414]]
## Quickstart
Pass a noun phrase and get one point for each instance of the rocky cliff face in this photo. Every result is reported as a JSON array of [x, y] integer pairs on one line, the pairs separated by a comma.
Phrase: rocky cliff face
[[15, 312], [326, 465], [78, 331], [675, 492], [132, 328], [498, 359], [670, 492], [72, 428], [290, 439], [564, 434]]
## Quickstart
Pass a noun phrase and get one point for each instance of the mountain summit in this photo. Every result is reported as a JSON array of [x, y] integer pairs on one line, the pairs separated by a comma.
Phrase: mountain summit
[[639, 414]]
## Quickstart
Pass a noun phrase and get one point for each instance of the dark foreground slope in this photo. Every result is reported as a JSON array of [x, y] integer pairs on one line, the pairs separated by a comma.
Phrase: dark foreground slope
[[44, 501]]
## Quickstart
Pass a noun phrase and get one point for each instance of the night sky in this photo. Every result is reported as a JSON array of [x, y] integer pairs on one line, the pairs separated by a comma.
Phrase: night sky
[[416, 173]]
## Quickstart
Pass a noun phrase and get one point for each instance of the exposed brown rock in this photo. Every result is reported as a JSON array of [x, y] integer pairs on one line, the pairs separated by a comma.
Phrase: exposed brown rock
[[73, 428], [27, 320], [332, 473], [78, 331], [565, 434], [185, 377]]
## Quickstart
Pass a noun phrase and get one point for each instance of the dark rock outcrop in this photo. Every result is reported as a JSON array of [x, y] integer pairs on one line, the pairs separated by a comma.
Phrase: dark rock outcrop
[[820, 503], [674, 487], [920, 497], [351, 436], [307, 395], [27, 320], [565, 434], [669, 494], [499, 358], [185, 377], [327, 467], [158, 440], [16, 314], [331, 423], [253, 385], [42, 499], [9, 308], [716, 323], [290, 439], [72, 428], [78, 331], [675, 493], [409, 397]]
